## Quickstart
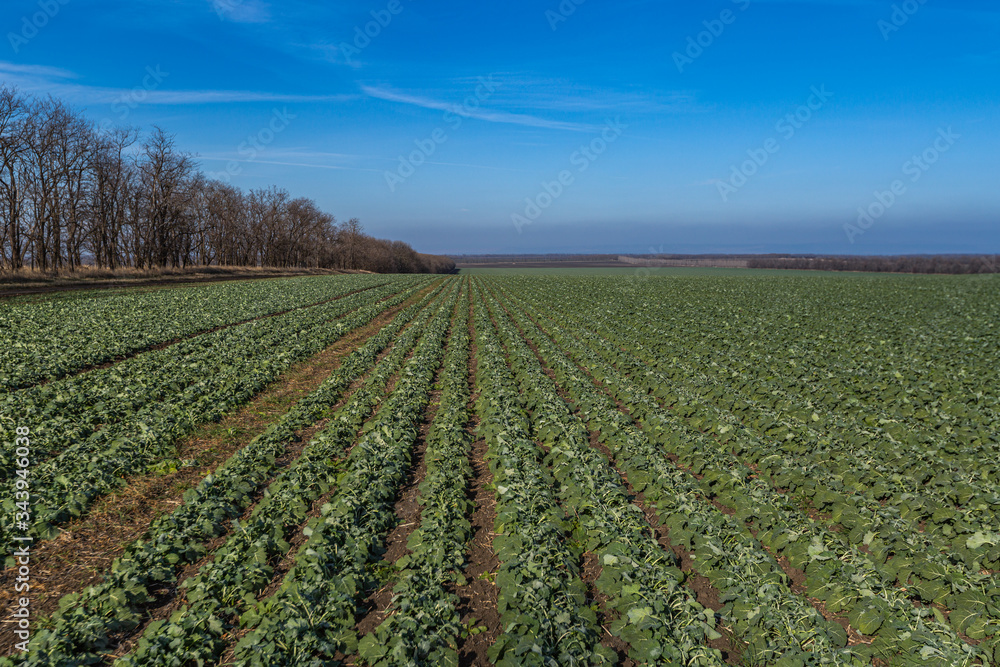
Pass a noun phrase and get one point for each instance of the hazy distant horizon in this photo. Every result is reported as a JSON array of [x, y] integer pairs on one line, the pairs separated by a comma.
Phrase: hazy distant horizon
[[563, 126], [670, 238]]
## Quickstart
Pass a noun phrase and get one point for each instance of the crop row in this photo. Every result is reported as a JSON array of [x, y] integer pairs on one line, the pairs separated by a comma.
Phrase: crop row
[[953, 470], [762, 611], [541, 599], [242, 567], [934, 536], [928, 566], [658, 617], [50, 339], [784, 469], [312, 616], [844, 577], [223, 378], [423, 623], [87, 621], [960, 515], [62, 413]]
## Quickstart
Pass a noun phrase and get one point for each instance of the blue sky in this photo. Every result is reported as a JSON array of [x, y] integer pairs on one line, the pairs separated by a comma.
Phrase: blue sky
[[581, 126]]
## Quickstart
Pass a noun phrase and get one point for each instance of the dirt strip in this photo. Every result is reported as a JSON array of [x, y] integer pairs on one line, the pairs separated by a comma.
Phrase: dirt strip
[[171, 598], [478, 597], [590, 567], [164, 606], [590, 572], [408, 512]]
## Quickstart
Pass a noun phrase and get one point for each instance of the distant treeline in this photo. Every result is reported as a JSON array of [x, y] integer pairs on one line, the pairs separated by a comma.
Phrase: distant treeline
[[531, 259], [73, 194], [952, 264]]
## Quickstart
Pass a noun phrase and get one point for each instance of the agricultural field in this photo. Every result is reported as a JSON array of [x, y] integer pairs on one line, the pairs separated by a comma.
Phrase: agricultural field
[[505, 468]]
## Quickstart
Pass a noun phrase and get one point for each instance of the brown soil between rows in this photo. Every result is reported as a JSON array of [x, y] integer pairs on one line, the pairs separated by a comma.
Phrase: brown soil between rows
[[798, 585], [281, 568], [590, 572], [173, 597], [705, 593], [408, 512], [590, 567], [807, 507], [85, 549], [478, 597], [796, 577], [298, 537]]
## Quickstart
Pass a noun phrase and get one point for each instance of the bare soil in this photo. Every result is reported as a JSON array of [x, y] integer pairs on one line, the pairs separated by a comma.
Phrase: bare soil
[[590, 572], [408, 511], [478, 597]]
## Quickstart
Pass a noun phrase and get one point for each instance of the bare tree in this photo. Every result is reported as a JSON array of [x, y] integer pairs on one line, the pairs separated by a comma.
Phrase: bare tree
[[352, 233], [113, 179], [71, 195], [165, 181], [12, 148]]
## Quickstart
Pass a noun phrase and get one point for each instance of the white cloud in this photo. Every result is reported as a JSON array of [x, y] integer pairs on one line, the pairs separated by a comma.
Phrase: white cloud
[[479, 114], [285, 164], [10, 70], [40, 80], [242, 11]]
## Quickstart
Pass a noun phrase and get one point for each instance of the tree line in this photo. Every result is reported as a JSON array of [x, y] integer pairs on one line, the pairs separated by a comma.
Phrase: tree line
[[950, 264], [73, 194]]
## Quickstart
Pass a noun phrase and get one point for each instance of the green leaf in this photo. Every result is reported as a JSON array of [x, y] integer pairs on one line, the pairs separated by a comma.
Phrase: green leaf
[[978, 540], [638, 614], [371, 649]]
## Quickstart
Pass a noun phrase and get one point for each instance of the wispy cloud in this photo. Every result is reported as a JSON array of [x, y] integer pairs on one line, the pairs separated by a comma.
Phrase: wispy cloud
[[242, 11], [539, 93], [10, 70], [225, 96], [613, 102], [479, 114], [287, 164], [47, 80], [305, 152], [294, 158], [471, 166]]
